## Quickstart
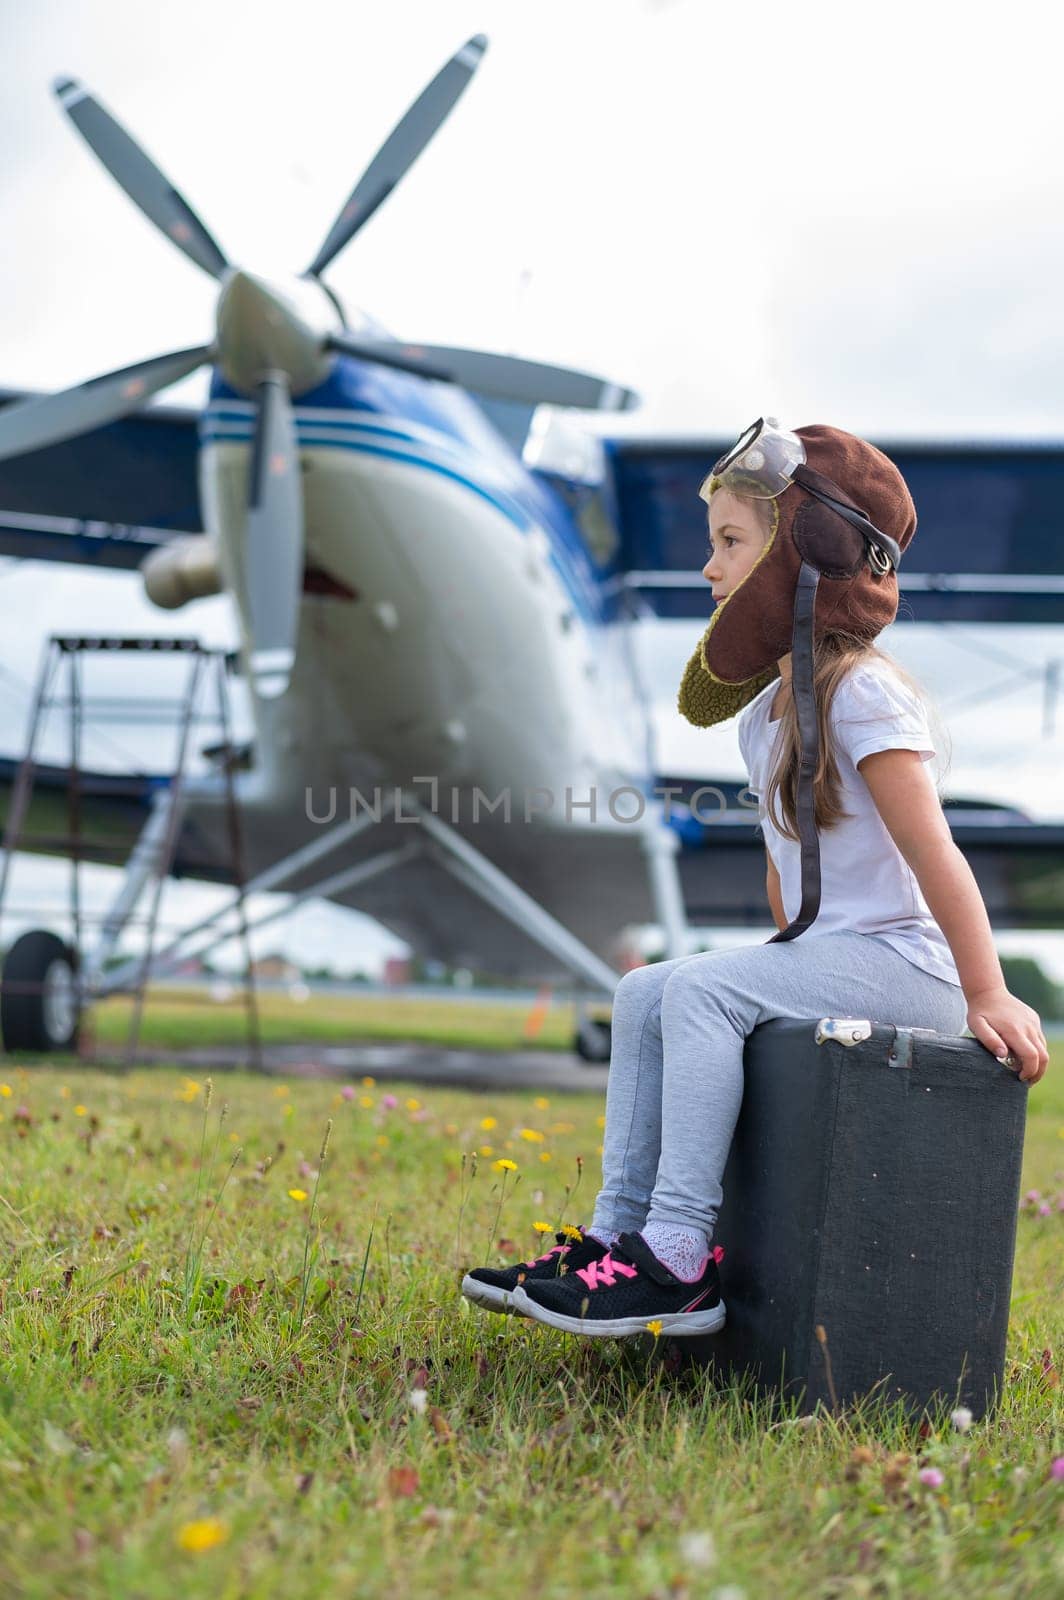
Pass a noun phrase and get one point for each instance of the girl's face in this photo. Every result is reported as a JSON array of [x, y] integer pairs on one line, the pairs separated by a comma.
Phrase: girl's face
[[736, 536]]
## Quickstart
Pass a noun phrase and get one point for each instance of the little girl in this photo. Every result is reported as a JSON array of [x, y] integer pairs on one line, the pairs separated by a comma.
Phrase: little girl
[[877, 910]]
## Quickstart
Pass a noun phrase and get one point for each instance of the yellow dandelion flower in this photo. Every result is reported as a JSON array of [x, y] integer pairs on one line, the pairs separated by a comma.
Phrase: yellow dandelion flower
[[297, 1194], [203, 1534], [234, 1138], [487, 1150], [541, 1103], [654, 1328], [64, 1092], [382, 1139], [450, 1128], [532, 1135], [504, 1165], [6, 1090], [281, 1090], [544, 1155], [601, 1121], [80, 1111], [413, 1105], [487, 1123], [369, 1083], [365, 1101], [543, 1227], [563, 1127], [601, 1148], [570, 1232]]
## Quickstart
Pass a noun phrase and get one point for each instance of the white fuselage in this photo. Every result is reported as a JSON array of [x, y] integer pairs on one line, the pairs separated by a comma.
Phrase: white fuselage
[[462, 655], [468, 649]]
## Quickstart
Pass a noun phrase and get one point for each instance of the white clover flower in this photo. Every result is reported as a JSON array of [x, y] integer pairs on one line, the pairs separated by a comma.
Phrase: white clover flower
[[698, 1550]]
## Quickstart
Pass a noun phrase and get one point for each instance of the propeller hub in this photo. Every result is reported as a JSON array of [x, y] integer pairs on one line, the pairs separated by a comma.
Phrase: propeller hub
[[267, 326]]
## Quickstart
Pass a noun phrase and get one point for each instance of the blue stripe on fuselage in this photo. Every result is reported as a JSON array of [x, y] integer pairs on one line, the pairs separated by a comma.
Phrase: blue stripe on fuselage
[[469, 452]]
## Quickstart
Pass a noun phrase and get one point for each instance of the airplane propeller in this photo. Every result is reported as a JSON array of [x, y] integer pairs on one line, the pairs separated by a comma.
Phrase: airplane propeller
[[135, 172], [401, 149], [273, 566], [49, 418], [508, 377], [267, 346]]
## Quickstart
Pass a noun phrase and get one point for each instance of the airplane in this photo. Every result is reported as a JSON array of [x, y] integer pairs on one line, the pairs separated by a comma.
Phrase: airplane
[[436, 570]]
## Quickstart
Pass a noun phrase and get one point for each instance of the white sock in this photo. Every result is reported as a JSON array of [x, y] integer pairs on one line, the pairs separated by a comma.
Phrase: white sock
[[683, 1250]]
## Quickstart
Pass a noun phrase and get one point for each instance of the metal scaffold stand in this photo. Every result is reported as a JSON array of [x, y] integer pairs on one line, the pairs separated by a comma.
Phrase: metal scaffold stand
[[48, 984]]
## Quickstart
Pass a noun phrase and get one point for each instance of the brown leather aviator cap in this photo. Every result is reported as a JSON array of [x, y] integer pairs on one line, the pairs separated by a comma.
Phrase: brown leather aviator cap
[[752, 627]]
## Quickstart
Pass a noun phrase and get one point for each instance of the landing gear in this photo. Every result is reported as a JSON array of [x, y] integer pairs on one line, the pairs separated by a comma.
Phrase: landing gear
[[592, 1040], [39, 1003]]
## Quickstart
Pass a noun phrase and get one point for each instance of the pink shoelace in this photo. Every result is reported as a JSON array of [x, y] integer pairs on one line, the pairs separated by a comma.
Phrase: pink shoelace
[[597, 1273], [555, 1250]]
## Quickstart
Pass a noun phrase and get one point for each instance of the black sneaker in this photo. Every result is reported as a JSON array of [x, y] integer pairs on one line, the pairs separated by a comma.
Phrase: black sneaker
[[494, 1290], [626, 1291]]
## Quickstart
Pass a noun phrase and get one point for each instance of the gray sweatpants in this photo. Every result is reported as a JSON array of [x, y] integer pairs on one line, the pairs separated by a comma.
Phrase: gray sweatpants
[[676, 1067]]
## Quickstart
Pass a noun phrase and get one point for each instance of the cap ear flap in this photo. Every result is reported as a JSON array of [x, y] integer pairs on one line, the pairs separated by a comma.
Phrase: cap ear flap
[[827, 541]]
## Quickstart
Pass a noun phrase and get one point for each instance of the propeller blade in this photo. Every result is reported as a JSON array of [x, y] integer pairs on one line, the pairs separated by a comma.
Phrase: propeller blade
[[49, 418], [389, 353], [137, 174], [537, 382], [273, 562], [503, 377], [401, 149]]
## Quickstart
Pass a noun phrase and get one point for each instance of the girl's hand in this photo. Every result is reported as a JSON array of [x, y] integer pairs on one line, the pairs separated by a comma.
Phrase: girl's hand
[[1006, 1025]]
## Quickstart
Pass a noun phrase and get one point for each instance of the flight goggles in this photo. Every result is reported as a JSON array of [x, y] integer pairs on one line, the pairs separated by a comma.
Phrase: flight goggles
[[761, 465], [767, 459]]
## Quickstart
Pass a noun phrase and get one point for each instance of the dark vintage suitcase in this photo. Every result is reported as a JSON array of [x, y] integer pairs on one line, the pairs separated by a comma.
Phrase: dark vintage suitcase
[[871, 1193]]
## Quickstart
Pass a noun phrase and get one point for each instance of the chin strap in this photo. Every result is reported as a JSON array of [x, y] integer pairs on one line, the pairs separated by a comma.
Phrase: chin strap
[[809, 737]]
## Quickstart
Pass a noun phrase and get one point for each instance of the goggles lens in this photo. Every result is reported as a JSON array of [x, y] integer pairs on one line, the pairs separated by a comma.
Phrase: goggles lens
[[759, 465]]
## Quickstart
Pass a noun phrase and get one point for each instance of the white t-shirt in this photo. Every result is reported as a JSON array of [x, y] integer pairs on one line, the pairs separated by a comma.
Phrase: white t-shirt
[[867, 886]]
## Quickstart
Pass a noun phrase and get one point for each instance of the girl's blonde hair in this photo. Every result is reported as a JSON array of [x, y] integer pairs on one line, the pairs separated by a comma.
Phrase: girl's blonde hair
[[835, 655]]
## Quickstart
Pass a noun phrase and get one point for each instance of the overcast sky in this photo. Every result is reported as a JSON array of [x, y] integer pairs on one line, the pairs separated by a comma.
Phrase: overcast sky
[[818, 212]]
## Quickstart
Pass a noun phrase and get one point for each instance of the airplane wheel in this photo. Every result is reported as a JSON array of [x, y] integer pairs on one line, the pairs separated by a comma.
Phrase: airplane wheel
[[39, 995], [592, 1042]]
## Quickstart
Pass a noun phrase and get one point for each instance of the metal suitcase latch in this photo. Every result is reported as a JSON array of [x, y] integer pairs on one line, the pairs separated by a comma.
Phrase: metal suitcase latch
[[844, 1030]]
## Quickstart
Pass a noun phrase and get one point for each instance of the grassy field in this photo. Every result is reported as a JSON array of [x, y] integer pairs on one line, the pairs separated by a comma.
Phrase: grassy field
[[175, 1022], [231, 1369]]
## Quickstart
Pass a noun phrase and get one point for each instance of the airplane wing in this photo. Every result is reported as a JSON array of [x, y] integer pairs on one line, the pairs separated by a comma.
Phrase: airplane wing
[[105, 498], [989, 545], [113, 808], [1018, 864]]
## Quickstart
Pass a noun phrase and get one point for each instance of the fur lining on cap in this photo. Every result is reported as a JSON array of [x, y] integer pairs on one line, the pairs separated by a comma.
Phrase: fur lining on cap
[[704, 699]]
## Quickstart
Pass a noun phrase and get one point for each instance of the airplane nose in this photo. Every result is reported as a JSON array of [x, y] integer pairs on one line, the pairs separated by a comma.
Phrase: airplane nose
[[261, 328], [247, 302]]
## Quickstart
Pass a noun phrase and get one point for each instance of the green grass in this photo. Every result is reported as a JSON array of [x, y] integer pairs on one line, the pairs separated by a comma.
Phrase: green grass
[[174, 1023], [538, 1464]]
